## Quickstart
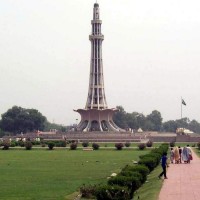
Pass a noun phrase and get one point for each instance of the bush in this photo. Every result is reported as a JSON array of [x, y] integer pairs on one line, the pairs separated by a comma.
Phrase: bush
[[6, 144], [51, 145], [13, 144], [21, 143], [95, 146], [61, 143], [127, 144], [132, 182], [43, 144], [85, 144], [28, 145], [141, 146], [149, 143], [150, 162], [73, 146], [172, 144], [143, 170], [198, 145], [119, 146], [115, 192], [88, 191]]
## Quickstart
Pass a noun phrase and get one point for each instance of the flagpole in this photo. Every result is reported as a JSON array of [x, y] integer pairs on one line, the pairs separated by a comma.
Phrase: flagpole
[[181, 108]]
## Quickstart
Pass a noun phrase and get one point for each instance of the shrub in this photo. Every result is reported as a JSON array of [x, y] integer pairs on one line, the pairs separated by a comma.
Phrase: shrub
[[127, 144], [21, 143], [149, 143], [73, 146], [61, 143], [6, 144], [132, 182], [12, 144], [119, 146], [95, 146], [150, 162], [115, 192], [88, 191], [172, 144], [198, 145], [141, 146], [51, 145], [43, 144], [85, 144], [142, 169], [28, 145]]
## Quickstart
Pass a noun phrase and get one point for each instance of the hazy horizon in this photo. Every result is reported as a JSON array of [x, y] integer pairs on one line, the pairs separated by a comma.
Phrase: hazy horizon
[[150, 56]]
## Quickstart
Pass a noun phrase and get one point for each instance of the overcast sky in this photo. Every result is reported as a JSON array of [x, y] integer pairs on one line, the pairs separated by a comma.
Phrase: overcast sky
[[151, 56]]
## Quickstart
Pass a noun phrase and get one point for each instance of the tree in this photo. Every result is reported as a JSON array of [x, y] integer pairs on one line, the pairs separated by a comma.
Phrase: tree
[[154, 121], [120, 118], [170, 126], [18, 119]]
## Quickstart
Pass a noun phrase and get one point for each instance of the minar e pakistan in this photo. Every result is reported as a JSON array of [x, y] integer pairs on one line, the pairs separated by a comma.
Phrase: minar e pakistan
[[96, 116]]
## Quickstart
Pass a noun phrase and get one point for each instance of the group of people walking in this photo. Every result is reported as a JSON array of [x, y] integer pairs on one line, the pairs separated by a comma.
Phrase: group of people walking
[[179, 155]]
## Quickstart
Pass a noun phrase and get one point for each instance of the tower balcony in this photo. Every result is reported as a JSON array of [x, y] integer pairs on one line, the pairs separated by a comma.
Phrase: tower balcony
[[93, 37], [96, 21]]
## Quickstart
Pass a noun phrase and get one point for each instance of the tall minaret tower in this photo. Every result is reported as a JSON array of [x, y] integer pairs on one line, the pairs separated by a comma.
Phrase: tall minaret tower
[[96, 116], [96, 93]]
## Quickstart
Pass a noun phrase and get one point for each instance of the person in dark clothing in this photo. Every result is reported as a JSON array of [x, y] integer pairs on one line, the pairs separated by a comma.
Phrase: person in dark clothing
[[164, 165], [180, 153]]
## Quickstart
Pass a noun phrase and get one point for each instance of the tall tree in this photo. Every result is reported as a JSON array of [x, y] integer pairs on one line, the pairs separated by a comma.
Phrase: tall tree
[[18, 119]]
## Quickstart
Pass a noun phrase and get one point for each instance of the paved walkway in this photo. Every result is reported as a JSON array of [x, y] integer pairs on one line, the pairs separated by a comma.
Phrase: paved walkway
[[183, 181]]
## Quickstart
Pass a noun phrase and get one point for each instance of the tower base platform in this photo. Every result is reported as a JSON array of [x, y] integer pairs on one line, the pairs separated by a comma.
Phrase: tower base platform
[[97, 120]]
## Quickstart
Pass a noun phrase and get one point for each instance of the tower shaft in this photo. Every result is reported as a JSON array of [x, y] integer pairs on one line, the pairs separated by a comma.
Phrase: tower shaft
[[96, 94]]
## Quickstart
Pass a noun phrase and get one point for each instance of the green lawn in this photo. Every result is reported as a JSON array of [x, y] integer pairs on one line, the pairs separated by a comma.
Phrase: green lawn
[[44, 174]]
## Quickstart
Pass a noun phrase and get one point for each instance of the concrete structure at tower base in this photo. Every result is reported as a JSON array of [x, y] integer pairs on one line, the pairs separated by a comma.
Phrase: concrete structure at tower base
[[97, 120]]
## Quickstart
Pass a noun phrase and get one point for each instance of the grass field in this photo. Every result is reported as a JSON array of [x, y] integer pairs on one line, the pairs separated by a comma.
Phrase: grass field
[[44, 174]]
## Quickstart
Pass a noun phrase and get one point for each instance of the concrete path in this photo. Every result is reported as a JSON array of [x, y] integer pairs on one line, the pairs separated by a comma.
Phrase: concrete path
[[183, 181]]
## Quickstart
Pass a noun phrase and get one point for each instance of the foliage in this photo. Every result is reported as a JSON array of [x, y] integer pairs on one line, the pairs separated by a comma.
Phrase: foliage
[[61, 143], [131, 182], [149, 143], [172, 144], [198, 145], [108, 192], [58, 127], [143, 170], [141, 146], [5, 144], [152, 122], [85, 144], [28, 145], [119, 146], [95, 146], [88, 191], [127, 144], [73, 146], [21, 120], [51, 145]]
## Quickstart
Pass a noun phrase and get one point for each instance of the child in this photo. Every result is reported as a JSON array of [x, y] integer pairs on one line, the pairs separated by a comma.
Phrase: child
[[164, 165], [172, 155]]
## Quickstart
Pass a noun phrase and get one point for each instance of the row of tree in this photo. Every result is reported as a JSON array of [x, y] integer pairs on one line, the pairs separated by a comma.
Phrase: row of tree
[[152, 122], [21, 120]]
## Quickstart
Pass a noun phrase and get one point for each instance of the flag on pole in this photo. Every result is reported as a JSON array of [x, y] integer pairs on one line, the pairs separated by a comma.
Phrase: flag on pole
[[183, 102]]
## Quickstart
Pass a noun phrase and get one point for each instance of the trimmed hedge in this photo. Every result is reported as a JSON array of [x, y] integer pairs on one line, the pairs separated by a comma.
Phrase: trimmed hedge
[[131, 177], [115, 192]]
